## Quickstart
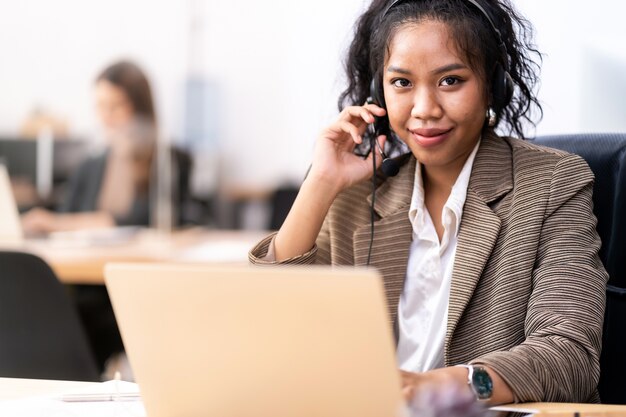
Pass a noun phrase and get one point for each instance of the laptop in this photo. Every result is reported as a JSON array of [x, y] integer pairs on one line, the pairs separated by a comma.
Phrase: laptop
[[256, 341], [10, 225]]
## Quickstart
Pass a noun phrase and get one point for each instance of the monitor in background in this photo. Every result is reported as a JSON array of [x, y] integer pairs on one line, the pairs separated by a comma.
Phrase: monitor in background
[[237, 341], [43, 163], [20, 158]]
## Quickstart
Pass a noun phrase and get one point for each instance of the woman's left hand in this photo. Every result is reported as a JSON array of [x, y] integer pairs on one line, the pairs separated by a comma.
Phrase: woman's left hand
[[413, 382], [453, 375]]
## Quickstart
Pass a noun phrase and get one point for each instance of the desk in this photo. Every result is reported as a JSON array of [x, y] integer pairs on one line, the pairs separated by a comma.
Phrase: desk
[[81, 261], [16, 388], [36, 398]]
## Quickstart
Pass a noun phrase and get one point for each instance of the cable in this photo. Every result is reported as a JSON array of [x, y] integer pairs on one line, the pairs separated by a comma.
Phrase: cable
[[373, 149]]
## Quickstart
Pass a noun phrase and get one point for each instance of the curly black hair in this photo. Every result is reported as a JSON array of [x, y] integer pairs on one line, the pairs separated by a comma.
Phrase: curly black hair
[[474, 37]]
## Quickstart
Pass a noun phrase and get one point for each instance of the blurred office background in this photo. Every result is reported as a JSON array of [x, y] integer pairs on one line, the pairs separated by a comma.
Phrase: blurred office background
[[246, 86]]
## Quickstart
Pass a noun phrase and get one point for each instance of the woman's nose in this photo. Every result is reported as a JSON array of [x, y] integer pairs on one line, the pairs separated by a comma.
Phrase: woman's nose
[[426, 105]]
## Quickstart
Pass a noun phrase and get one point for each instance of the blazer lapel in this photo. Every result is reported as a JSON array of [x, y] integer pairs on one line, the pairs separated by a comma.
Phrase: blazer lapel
[[490, 180], [393, 234]]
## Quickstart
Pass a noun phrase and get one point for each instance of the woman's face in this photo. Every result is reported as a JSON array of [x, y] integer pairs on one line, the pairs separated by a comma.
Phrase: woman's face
[[436, 103], [113, 106]]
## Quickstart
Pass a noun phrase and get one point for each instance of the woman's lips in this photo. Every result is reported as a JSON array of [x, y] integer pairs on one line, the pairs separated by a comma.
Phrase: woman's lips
[[430, 137]]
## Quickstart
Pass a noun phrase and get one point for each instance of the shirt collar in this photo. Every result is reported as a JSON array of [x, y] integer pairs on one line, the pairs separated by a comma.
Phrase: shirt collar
[[455, 202]]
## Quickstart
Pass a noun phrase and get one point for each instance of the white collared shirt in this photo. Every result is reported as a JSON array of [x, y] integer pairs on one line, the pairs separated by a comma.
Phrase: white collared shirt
[[423, 307]]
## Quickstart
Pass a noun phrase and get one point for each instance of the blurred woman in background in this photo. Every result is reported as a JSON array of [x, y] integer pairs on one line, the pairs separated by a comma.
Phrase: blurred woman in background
[[108, 189], [111, 188]]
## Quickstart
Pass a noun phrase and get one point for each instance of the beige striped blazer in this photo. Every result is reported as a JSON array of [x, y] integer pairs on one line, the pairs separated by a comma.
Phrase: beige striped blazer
[[528, 289]]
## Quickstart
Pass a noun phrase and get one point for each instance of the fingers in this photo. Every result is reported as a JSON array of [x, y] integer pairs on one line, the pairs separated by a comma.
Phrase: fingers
[[361, 114], [407, 378], [408, 392], [376, 110], [354, 131], [353, 121], [409, 381]]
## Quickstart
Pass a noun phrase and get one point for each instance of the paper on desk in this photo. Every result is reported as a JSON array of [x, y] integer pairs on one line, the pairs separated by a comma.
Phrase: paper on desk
[[109, 387], [563, 409], [53, 406], [519, 411], [108, 236], [515, 408], [222, 251]]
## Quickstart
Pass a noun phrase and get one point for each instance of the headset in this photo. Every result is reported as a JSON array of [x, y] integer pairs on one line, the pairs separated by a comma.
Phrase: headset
[[502, 85]]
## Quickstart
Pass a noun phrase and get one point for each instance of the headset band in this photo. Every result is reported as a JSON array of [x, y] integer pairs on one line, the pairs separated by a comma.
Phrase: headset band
[[480, 8]]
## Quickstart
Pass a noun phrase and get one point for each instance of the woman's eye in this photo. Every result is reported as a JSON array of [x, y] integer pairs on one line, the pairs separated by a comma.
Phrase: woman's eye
[[401, 83], [450, 81]]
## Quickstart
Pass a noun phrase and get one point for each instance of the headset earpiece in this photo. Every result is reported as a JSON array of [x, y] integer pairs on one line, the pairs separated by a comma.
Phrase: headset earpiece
[[381, 127], [377, 97], [501, 88], [376, 92]]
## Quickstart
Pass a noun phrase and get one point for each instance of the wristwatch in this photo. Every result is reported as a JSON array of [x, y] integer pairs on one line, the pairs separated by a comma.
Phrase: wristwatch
[[479, 381]]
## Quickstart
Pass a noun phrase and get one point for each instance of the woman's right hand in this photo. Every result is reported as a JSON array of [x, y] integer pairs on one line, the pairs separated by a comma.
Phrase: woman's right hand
[[335, 167], [334, 161]]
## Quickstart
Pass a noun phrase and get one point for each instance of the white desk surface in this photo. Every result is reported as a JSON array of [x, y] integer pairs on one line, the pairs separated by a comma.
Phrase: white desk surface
[[39, 398], [17, 388], [15, 392]]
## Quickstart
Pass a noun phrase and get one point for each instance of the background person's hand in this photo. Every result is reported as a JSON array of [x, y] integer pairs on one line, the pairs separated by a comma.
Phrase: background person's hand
[[38, 220]]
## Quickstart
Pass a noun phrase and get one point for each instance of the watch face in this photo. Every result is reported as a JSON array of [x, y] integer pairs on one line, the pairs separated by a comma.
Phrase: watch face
[[482, 383]]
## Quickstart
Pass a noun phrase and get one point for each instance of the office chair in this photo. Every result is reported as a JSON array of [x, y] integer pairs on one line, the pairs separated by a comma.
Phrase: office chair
[[281, 201], [182, 167], [41, 334], [606, 156]]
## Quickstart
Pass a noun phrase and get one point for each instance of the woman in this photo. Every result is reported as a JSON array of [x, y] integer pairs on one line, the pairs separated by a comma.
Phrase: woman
[[111, 188], [487, 244]]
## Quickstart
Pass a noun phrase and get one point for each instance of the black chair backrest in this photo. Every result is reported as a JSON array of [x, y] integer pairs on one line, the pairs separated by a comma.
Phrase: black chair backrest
[[41, 334], [280, 202], [606, 155]]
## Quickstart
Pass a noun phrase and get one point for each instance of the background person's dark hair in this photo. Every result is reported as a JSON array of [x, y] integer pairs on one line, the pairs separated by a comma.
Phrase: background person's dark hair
[[130, 78], [474, 38]]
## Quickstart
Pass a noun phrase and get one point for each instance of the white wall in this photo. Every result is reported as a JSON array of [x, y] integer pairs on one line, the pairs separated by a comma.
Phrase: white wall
[[275, 67], [583, 85], [51, 51]]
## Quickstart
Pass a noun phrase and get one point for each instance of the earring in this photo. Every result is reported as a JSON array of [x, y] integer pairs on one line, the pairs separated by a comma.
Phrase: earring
[[491, 117]]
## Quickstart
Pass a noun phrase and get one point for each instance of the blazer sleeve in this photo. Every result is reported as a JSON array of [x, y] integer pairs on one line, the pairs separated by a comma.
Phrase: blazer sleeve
[[263, 252], [559, 358]]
